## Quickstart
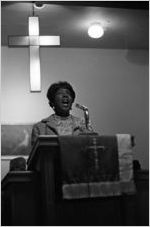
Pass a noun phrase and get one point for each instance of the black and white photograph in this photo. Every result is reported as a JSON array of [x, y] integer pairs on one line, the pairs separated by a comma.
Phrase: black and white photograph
[[74, 113]]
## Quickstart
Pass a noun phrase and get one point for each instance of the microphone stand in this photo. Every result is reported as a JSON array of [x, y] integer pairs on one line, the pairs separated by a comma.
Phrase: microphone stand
[[86, 117]]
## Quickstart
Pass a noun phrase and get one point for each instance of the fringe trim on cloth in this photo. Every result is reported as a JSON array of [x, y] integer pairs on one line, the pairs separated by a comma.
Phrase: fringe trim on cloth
[[100, 189]]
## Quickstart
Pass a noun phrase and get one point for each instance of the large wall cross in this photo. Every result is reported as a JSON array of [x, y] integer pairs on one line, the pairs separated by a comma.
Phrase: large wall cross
[[34, 41]]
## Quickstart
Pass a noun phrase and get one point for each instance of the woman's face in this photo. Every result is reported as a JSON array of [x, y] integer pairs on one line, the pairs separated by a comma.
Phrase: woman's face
[[63, 102]]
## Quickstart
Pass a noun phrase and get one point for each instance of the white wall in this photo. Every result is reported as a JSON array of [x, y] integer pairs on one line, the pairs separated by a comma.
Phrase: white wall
[[112, 83]]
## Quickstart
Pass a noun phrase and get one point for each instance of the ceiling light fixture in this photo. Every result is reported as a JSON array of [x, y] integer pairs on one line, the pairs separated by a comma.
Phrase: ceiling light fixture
[[96, 31], [39, 5]]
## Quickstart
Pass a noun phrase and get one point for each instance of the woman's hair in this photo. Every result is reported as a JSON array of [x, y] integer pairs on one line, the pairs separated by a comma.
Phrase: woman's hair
[[55, 87]]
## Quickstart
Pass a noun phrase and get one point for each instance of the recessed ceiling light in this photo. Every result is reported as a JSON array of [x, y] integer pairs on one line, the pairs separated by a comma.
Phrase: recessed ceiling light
[[96, 31]]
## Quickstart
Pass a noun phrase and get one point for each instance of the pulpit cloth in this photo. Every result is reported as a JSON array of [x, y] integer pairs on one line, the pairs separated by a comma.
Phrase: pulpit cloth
[[96, 166]]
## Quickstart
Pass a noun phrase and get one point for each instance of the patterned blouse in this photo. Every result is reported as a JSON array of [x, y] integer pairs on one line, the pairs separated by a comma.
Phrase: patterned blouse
[[57, 125]]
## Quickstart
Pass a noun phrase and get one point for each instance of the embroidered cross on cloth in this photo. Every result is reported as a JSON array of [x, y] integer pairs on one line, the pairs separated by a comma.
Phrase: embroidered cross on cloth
[[96, 166]]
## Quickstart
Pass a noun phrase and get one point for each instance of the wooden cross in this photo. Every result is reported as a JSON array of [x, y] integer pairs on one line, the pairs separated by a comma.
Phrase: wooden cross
[[34, 41], [95, 148]]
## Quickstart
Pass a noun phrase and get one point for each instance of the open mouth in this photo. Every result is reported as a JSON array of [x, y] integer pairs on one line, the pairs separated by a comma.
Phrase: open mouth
[[65, 103]]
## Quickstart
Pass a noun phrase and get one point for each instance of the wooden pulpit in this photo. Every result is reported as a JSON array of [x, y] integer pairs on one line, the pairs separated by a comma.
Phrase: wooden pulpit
[[77, 180], [71, 199], [44, 159]]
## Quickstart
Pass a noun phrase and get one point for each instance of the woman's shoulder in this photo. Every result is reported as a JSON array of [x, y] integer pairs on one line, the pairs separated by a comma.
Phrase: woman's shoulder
[[38, 124], [38, 127], [42, 123]]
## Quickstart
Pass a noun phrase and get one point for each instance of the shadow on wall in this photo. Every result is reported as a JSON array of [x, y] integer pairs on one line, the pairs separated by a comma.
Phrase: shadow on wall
[[138, 58]]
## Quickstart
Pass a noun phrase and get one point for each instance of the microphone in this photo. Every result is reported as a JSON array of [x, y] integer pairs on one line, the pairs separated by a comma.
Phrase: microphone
[[81, 107], [87, 120], [86, 113]]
